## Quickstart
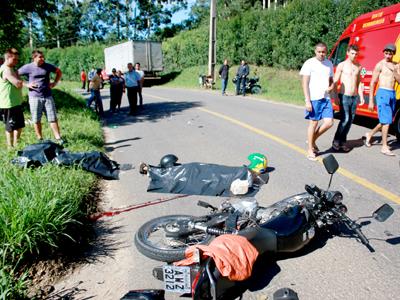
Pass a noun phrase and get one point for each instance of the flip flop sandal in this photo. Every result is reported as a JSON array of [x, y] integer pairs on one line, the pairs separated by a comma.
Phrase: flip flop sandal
[[388, 152], [311, 157], [367, 141]]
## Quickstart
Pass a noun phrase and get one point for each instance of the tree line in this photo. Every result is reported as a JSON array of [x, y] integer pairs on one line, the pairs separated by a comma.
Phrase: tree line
[[282, 37], [63, 23]]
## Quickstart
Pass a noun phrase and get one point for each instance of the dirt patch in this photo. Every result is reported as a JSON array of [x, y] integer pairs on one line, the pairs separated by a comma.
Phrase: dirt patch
[[45, 269]]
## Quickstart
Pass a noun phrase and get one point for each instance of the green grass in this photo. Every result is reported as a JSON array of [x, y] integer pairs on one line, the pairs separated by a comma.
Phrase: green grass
[[277, 84], [38, 206]]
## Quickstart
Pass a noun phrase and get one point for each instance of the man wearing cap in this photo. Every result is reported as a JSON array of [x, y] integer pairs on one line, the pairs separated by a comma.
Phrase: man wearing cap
[[386, 73]]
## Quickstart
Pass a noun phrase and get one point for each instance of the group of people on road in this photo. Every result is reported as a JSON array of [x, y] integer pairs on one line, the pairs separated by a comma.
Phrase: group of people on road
[[240, 79], [319, 83], [41, 100], [132, 82]]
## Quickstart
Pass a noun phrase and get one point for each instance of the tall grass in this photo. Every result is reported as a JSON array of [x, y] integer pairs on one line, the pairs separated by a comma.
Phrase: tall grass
[[37, 206], [277, 84]]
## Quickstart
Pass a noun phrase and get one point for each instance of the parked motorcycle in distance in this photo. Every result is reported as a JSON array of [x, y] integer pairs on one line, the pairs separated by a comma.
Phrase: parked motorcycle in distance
[[252, 85], [286, 226]]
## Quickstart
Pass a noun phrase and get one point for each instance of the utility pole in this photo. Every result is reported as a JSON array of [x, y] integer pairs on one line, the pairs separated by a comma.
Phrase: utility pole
[[213, 36], [30, 32], [128, 11], [57, 26]]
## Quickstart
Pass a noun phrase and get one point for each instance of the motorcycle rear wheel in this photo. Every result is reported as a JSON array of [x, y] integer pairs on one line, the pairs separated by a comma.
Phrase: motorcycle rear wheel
[[256, 89], [151, 239]]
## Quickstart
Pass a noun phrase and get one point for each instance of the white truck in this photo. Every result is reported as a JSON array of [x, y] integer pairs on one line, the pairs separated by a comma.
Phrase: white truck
[[147, 53]]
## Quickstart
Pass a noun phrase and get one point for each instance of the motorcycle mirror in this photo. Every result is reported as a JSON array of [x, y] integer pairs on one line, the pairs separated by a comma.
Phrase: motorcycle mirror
[[383, 213], [331, 164]]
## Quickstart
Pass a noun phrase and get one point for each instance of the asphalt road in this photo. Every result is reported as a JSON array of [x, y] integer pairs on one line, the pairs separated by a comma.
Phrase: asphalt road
[[202, 126]]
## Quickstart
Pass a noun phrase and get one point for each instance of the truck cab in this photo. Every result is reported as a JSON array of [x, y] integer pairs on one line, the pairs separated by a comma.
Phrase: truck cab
[[371, 32]]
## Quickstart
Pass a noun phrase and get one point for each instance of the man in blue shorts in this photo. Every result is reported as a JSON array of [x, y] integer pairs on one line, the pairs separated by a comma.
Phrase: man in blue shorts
[[317, 83], [386, 73], [40, 97]]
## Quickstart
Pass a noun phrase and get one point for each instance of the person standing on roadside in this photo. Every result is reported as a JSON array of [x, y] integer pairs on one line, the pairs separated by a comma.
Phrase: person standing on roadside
[[11, 98], [317, 83], [114, 89], [83, 79], [40, 96], [385, 73], [132, 84], [95, 86], [224, 75], [141, 81], [91, 74], [241, 77], [348, 73], [120, 89]]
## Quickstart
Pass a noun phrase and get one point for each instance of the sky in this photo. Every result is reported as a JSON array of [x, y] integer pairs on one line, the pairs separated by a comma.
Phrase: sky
[[183, 14]]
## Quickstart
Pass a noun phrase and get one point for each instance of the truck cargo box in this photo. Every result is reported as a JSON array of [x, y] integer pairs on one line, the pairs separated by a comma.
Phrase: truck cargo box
[[147, 53]]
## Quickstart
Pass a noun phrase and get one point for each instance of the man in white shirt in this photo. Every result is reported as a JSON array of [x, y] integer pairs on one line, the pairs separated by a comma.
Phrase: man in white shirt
[[141, 73], [132, 84], [317, 82]]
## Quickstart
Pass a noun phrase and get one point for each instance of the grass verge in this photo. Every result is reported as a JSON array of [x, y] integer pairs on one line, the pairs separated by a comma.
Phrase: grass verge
[[38, 207], [277, 84]]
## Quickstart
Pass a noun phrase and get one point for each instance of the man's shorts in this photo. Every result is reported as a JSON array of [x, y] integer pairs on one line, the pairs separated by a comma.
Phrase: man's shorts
[[13, 118], [321, 109], [38, 105], [386, 104]]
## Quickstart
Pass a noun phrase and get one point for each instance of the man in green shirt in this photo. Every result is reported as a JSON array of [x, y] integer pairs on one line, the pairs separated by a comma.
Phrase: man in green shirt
[[11, 98]]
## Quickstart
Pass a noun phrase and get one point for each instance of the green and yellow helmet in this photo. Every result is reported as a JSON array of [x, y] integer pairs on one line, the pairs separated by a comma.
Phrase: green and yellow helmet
[[258, 163]]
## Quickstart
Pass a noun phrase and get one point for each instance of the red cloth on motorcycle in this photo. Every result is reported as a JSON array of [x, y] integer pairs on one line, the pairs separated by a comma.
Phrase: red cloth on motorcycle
[[233, 255]]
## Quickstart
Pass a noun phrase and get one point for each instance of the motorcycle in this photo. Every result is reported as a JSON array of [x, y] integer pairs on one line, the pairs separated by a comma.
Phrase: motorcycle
[[252, 85], [284, 227]]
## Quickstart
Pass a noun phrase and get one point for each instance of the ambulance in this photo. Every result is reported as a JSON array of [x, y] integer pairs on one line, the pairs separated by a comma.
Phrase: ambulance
[[371, 32]]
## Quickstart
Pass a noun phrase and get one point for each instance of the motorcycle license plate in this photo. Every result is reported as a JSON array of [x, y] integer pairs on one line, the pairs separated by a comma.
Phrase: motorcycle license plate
[[177, 279]]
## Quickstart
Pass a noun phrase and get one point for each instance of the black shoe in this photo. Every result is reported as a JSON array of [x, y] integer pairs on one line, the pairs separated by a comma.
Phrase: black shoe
[[61, 141], [335, 146]]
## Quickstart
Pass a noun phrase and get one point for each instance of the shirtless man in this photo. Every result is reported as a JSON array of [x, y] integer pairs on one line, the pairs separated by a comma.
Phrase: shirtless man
[[386, 72], [348, 72]]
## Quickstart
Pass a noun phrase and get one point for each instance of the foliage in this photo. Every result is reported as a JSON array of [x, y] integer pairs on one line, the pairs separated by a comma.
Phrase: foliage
[[12, 13], [38, 206], [63, 26], [284, 37]]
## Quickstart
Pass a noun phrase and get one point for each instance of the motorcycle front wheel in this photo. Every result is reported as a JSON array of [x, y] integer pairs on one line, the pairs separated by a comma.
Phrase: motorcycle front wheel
[[152, 241], [256, 89]]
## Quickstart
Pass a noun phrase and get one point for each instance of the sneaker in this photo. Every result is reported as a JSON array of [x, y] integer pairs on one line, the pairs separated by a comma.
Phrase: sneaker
[[335, 146], [61, 141]]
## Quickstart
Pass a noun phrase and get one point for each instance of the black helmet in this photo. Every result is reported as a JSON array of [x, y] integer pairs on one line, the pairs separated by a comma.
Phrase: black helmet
[[168, 161], [285, 294]]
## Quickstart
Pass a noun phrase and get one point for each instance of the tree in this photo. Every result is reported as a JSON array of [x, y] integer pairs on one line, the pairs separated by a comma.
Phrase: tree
[[62, 27], [153, 14], [12, 14]]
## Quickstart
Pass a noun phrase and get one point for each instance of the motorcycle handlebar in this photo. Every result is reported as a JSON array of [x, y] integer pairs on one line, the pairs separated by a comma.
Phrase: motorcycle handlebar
[[356, 229], [313, 190], [362, 237]]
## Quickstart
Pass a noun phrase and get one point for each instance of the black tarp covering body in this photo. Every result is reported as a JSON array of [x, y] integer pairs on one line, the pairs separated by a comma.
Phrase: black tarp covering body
[[197, 179], [39, 154]]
